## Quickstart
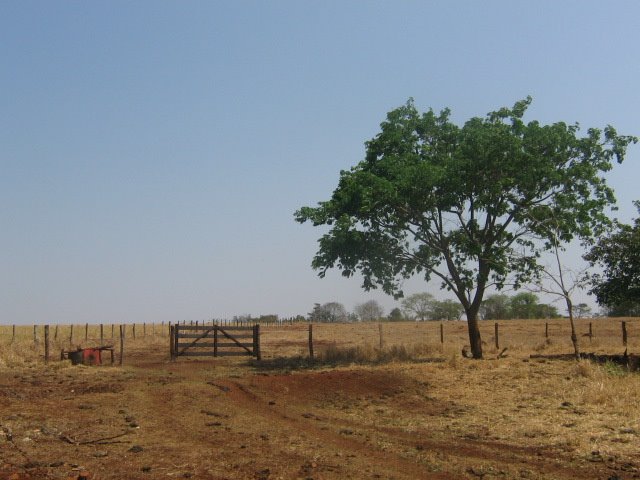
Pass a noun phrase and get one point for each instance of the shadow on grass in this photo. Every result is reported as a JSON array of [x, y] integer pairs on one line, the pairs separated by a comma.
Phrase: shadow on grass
[[306, 363], [630, 361]]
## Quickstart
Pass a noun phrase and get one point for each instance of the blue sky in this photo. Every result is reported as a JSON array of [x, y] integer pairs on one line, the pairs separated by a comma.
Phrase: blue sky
[[153, 153]]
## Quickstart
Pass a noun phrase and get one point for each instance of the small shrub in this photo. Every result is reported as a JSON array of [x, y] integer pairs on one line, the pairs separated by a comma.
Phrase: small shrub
[[614, 369]]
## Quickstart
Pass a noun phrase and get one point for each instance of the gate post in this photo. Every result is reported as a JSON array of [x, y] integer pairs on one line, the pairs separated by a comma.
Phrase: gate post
[[171, 343], [176, 334]]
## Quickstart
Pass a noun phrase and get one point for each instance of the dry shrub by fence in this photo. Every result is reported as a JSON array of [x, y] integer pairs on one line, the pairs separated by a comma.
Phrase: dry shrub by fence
[[26, 343]]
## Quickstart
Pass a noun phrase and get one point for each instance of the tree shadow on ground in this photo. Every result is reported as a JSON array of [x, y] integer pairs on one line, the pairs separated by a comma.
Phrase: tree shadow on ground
[[630, 361], [306, 363]]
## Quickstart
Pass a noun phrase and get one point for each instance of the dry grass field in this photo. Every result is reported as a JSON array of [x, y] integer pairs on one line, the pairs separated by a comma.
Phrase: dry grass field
[[415, 409]]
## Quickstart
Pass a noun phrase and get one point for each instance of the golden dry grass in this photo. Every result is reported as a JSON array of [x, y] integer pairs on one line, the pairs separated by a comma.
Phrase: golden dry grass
[[343, 343]]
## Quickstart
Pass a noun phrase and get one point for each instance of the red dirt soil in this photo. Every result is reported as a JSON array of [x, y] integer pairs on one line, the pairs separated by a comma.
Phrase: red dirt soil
[[227, 420]]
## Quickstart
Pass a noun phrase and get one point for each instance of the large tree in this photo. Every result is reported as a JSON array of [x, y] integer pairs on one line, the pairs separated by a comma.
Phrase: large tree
[[418, 305], [369, 311], [445, 310], [328, 312], [524, 305], [496, 307], [464, 204], [618, 255], [395, 315]]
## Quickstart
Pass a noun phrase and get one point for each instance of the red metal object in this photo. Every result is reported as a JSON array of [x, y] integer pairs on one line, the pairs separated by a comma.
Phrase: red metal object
[[91, 356], [86, 356]]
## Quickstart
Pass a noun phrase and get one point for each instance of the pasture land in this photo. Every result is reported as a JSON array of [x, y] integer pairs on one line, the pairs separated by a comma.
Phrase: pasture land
[[413, 409]]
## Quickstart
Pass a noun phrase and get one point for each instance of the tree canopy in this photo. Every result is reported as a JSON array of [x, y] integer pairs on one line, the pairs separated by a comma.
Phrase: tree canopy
[[618, 254], [446, 310], [418, 305], [369, 311], [328, 312], [496, 307], [467, 205], [395, 315]]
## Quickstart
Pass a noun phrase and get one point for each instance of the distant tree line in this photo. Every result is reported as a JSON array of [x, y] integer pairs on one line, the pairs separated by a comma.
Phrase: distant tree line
[[424, 306], [336, 312], [525, 305]]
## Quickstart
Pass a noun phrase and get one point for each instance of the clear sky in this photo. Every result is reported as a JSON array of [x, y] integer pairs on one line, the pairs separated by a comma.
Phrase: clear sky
[[152, 153]]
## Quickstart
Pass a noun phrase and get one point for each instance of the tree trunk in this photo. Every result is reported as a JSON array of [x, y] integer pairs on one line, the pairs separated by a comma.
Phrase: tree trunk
[[574, 336], [474, 334]]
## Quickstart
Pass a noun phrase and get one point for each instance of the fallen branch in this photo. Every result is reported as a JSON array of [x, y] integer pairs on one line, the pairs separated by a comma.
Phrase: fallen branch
[[97, 441], [501, 354]]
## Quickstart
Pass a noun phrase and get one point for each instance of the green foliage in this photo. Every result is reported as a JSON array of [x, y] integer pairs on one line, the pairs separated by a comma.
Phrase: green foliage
[[445, 310], [395, 315], [524, 305], [418, 305], [623, 309], [546, 311], [369, 311], [618, 254], [581, 310], [423, 306], [328, 312], [614, 369], [464, 204], [496, 307]]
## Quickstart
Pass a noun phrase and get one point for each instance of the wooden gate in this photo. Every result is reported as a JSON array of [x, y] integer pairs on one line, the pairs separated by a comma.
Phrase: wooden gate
[[214, 341]]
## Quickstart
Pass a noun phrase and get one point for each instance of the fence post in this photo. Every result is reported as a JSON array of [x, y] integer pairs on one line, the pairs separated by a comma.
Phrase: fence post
[[55, 333], [215, 341], [256, 342], [46, 344], [441, 332], [35, 335], [311, 341], [380, 334], [134, 330], [86, 331], [144, 329], [101, 334], [624, 333], [112, 331], [546, 330], [122, 330], [13, 335], [590, 331], [496, 335], [71, 335]]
